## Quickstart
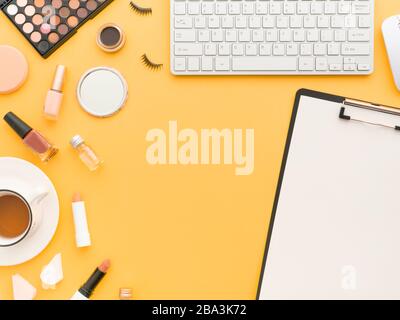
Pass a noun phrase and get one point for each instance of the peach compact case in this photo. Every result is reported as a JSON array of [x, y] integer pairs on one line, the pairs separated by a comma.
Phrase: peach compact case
[[47, 24]]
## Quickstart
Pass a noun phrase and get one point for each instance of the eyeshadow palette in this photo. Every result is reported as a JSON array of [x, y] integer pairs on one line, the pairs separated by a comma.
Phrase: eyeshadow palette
[[47, 24]]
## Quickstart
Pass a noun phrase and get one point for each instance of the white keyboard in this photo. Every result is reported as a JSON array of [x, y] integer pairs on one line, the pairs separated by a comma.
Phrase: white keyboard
[[271, 37]]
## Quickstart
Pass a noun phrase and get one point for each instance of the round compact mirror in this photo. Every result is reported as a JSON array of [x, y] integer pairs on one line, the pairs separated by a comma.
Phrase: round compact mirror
[[102, 91]]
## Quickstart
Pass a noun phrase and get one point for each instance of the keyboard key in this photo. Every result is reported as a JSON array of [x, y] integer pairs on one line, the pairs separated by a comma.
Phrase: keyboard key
[[361, 7], [251, 49], [185, 36], [210, 49], [306, 64], [292, 49], [180, 64], [180, 8], [364, 67], [321, 64], [364, 21], [222, 64], [349, 67], [207, 8], [183, 23], [204, 36], [207, 64], [193, 64], [224, 49], [278, 49], [238, 49], [186, 49], [355, 49], [264, 64], [320, 49], [335, 67], [265, 49], [333, 49], [193, 8], [200, 22], [359, 35], [306, 49]]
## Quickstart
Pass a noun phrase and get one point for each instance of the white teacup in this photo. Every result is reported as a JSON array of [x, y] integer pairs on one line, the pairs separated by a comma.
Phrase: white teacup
[[27, 205]]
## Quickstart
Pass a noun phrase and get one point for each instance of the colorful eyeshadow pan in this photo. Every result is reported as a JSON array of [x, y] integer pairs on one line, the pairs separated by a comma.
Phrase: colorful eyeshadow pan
[[62, 29], [27, 27], [57, 4], [12, 10], [73, 22], [55, 20], [54, 37], [82, 13], [48, 10], [47, 24], [22, 3], [45, 28], [37, 19], [64, 12], [20, 18], [74, 4], [39, 3], [30, 11], [36, 37]]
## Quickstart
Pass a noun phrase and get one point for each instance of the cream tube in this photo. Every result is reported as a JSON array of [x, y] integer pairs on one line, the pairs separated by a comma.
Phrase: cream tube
[[82, 235]]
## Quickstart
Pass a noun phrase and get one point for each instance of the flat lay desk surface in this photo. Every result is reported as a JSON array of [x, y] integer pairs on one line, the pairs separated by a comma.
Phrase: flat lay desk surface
[[188, 232]]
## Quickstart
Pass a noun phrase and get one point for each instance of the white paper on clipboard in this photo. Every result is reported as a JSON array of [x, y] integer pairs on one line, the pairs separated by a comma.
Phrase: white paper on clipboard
[[336, 221]]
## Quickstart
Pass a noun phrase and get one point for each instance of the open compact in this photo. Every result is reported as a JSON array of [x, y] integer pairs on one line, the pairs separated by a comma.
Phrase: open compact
[[102, 91], [110, 37]]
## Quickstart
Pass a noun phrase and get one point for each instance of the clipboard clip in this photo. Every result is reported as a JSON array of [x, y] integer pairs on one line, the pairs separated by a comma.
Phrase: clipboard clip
[[368, 106]]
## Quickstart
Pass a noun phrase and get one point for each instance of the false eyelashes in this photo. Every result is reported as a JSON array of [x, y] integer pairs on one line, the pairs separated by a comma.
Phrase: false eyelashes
[[145, 12], [140, 10], [149, 64]]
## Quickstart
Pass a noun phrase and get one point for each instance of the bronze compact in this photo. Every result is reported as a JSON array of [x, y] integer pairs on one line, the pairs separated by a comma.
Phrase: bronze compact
[[110, 38]]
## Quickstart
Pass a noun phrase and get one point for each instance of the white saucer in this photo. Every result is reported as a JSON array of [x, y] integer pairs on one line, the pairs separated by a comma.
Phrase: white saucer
[[31, 246]]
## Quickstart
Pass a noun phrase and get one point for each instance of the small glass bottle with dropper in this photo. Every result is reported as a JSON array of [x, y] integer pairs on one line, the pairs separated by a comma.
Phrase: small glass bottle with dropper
[[86, 153]]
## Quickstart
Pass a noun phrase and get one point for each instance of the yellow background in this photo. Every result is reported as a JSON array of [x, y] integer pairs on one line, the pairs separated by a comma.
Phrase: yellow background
[[171, 231]]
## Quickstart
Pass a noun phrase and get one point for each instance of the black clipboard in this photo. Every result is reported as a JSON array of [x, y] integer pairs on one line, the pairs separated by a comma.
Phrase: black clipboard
[[327, 97]]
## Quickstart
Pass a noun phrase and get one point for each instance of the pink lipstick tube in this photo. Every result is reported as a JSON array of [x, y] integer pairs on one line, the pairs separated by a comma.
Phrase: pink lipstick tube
[[54, 97]]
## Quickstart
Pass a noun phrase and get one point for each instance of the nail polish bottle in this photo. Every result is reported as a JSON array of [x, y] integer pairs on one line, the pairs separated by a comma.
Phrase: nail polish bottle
[[86, 154], [31, 138], [54, 96]]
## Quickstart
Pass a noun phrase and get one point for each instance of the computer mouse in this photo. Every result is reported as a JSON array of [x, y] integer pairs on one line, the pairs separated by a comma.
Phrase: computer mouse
[[391, 35]]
